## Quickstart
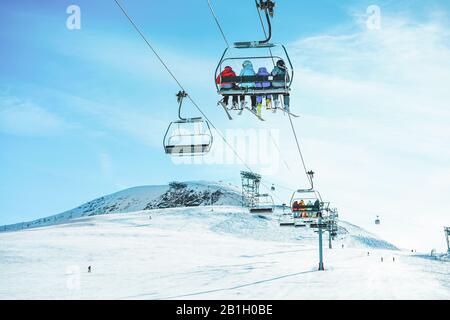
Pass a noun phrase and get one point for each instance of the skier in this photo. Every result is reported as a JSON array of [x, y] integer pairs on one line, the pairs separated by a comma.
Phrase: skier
[[227, 72], [261, 85], [382, 259], [342, 246], [89, 269], [280, 70], [247, 70]]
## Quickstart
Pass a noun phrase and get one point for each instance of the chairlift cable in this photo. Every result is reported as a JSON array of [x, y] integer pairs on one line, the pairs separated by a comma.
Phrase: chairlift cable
[[279, 152], [290, 119], [273, 61], [180, 85], [300, 151], [217, 22]]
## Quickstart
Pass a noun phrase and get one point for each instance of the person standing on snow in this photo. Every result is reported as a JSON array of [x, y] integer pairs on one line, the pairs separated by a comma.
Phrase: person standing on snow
[[281, 70], [247, 70]]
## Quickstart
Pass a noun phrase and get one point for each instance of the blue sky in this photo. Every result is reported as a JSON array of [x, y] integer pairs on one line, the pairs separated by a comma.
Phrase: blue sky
[[83, 112]]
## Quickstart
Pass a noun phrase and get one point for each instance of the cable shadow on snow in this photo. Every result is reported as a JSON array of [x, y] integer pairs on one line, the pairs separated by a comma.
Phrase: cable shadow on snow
[[227, 289]]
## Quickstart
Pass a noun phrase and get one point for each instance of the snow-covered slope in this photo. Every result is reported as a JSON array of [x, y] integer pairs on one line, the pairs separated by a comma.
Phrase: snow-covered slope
[[185, 194], [207, 253]]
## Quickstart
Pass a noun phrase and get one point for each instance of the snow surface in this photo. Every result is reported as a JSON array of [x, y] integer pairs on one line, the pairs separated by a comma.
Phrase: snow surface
[[207, 253]]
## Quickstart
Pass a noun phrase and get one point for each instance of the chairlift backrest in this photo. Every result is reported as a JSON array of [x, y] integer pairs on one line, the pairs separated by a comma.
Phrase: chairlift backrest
[[187, 136]]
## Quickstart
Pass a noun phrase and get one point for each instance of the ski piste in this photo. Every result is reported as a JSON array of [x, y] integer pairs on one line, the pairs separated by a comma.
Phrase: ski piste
[[255, 114]]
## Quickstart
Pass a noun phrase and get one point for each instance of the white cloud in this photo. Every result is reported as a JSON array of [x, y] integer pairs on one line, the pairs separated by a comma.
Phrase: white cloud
[[25, 118], [375, 108]]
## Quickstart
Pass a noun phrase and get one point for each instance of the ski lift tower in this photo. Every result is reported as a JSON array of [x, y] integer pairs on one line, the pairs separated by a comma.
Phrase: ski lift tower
[[250, 188], [447, 237]]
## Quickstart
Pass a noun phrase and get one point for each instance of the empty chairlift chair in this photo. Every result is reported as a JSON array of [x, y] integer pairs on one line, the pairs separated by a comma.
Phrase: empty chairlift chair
[[377, 220], [264, 204], [286, 220], [187, 136]]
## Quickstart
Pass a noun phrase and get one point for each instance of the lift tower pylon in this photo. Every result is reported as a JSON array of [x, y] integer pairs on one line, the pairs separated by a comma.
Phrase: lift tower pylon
[[250, 188]]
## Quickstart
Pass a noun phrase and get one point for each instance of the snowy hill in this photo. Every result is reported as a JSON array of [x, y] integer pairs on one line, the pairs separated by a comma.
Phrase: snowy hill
[[184, 194], [220, 252]]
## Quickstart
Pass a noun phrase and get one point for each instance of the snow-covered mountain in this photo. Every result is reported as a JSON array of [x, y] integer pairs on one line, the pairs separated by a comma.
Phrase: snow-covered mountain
[[195, 240], [176, 194]]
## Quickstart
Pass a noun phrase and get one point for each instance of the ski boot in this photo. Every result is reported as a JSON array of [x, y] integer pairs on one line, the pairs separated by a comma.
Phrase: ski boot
[[258, 109], [268, 104]]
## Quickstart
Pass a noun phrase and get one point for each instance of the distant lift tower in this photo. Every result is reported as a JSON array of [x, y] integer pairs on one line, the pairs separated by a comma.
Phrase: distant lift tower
[[447, 237], [250, 188]]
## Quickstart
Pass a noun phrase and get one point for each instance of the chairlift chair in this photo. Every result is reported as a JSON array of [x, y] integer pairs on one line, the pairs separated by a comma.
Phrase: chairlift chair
[[264, 204], [377, 221], [187, 136], [308, 214], [238, 89], [286, 220]]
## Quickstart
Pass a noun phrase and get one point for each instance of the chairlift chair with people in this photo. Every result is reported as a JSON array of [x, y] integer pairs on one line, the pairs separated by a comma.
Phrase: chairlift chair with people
[[247, 54], [307, 207]]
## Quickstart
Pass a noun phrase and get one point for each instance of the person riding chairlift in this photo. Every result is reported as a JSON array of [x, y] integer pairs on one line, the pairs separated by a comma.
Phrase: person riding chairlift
[[247, 70], [227, 72], [281, 70], [296, 209], [262, 85], [302, 208]]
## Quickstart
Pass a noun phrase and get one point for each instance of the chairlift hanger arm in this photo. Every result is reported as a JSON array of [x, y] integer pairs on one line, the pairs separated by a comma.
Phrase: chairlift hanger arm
[[268, 8]]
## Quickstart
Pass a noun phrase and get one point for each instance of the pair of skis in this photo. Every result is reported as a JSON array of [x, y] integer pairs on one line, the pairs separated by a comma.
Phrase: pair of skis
[[254, 112]]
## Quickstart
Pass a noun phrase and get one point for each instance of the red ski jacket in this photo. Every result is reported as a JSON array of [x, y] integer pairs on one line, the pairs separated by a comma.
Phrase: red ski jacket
[[227, 72]]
